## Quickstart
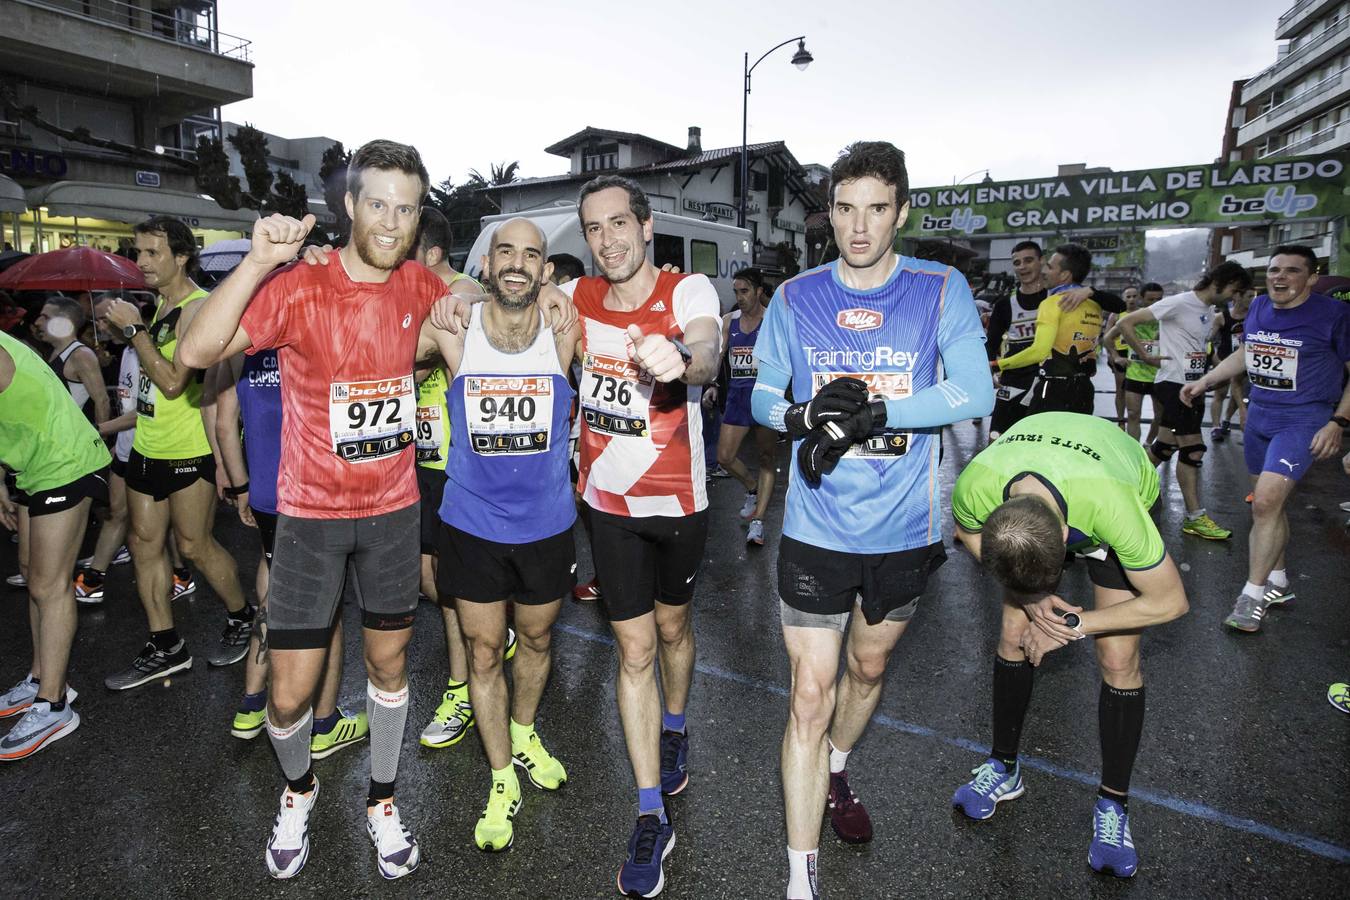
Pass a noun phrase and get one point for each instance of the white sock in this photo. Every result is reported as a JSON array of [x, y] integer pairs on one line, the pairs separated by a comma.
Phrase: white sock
[[838, 759], [802, 874], [1279, 578], [1255, 591], [1195, 514]]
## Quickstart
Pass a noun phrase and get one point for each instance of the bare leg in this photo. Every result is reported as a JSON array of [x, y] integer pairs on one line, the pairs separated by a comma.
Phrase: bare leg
[[728, 453], [813, 654], [1270, 525], [55, 543], [675, 629], [113, 534], [639, 700], [869, 648], [533, 659], [484, 627], [149, 520], [766, 443], [193, 512]]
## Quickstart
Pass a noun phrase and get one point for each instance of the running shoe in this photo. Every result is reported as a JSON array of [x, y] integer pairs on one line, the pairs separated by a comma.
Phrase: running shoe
[[1248, 498], [233, 644], [992, 784], [643, 873], [848, 817], [1277, 595], [453, 719], [288, 847], [348, 730], [541, 767], [748, 507], [17, 581], [1112, 849], [183, 587], [755, 533], [396, 852], [39, 727], [1248, 611], [249, 723], [1217, 435], [586, 592], [122, 557], [1338, 695], [1205, 527], [719, 472], [86, 593], [151, 664], [18, 698], [510, 643], [674, 762], [495, 831]]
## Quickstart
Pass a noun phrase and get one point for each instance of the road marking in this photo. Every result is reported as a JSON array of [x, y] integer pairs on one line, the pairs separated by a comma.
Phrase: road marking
[[1175, 804]]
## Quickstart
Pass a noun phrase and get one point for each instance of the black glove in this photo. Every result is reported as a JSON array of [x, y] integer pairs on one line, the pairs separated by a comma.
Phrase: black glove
[[821, 450], [869, 418], [834, 402]]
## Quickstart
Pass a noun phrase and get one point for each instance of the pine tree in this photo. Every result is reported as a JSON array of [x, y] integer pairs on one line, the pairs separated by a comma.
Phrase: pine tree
[[213, 173], [251, 145]]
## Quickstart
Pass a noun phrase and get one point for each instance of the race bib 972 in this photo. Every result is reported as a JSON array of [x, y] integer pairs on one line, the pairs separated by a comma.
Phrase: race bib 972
[[371, 419]]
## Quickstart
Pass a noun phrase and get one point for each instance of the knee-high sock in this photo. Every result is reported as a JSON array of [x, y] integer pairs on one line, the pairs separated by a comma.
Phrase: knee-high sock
[[292, 748], [388, 714], [1120, 721], [1012, 695]]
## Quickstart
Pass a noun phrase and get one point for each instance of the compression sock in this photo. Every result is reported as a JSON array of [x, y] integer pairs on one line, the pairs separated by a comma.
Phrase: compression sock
[[292, 748], [388, 714], [1012, 695], [1120, 721]]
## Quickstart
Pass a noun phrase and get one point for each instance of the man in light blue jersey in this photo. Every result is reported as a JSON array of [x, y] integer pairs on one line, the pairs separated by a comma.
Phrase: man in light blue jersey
[[882, 350]]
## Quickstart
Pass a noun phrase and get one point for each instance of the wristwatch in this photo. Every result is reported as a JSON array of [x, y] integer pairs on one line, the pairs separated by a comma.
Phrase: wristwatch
[[681, 349], [130, 331], [1073, 620], [1341, 421]]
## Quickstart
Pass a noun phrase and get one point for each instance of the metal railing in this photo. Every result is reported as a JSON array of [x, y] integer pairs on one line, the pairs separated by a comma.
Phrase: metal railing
[[1299, 146], [1323, 86], [188, 31], [1298, 53], [1292, 11]]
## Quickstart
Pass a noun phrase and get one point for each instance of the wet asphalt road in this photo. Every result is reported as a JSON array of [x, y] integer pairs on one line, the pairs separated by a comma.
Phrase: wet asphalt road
[[1239, 789]]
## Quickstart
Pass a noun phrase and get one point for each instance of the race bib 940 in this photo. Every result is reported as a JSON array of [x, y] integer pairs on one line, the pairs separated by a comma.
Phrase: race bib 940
[[371, 419], [509, 414], [882, 385]]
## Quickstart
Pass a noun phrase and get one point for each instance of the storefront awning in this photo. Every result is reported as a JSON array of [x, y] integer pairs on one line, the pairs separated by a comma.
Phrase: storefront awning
[[125, 203], [11, 196]]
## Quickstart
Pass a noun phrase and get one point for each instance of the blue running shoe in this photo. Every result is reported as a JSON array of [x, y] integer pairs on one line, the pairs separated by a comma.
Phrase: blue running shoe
[[1112, 850], [674, 762], [642, 873], [992, 784]]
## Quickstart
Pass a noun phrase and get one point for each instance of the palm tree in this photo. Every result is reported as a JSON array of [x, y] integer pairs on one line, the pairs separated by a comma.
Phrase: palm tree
[[503, 173]]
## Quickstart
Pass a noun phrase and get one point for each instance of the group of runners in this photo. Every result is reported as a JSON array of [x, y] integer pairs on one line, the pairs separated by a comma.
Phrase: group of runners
[[394, 428]]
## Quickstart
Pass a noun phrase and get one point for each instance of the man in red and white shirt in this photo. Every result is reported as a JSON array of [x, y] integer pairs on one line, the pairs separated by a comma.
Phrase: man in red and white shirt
[[650, 339]]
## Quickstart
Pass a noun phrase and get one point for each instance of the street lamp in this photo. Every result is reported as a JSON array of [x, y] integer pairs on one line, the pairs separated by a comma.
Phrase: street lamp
[[801, 59]]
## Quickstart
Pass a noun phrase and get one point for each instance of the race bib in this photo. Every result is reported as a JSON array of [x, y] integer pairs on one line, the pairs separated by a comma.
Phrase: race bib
[[615, 395], [371, 419], [1150, 349], [1195, 365], [743, 363], [1272, 366], [1023, 330], [430, 434], [883, 385], [509, 414], [146, 392]]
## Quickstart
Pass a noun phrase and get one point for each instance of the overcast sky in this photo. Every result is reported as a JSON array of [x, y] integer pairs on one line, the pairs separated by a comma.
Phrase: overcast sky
[[960, 86]]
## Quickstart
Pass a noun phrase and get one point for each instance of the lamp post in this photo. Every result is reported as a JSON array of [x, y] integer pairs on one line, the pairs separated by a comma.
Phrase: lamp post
[[801, 59]]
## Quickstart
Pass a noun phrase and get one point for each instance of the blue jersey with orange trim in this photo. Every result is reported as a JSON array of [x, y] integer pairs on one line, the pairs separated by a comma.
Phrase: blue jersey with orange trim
[[884, 496]]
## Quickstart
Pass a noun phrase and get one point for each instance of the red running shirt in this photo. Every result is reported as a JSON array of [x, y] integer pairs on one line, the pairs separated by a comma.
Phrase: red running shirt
[[641, 447], [349, 406]]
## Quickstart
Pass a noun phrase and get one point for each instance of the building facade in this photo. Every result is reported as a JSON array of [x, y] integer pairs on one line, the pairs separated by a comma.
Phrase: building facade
[[687, 181], [300, 158], [101, 106], [1297, 106]]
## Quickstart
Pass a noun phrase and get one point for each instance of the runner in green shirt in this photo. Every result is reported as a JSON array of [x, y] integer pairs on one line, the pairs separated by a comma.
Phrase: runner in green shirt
[[60, 466], [1057, 483]]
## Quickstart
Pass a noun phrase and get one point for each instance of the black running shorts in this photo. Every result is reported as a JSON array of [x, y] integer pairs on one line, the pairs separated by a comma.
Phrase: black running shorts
[[1179, 417], [431, 485], [93, 486], [641, 560], [1011, 401], [821, 582], [376, 555], [1072, 394], [1143, 388], [161, 477], [481, 571], [267, 533]]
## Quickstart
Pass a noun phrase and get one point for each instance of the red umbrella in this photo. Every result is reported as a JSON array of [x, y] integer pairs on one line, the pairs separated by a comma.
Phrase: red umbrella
[[72, 269]]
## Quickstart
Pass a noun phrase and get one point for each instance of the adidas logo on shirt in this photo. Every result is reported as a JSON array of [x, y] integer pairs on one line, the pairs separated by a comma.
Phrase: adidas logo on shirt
[[659, 306]]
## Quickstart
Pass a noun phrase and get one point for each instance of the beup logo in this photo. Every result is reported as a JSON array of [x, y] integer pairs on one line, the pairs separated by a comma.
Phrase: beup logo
[[963, 219], [1287, 202], [858, 319]]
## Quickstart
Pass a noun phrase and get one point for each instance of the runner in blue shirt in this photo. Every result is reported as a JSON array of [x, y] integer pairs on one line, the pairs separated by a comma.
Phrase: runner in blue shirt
[[881, 351], [1296, 351]]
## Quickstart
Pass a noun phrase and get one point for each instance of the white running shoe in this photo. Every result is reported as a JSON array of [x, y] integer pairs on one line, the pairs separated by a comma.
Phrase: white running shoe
[[39, 727], [18, 698], [748, 507], [289, 846], [396, 851], [17, 581], [755, 533]]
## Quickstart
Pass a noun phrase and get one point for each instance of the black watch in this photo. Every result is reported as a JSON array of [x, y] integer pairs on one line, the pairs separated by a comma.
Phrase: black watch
[[130, 331], [1072, 620], [1341, 421], [681, 349]]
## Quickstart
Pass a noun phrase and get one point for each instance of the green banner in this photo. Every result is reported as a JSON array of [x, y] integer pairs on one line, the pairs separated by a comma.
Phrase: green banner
[[1216, 195]]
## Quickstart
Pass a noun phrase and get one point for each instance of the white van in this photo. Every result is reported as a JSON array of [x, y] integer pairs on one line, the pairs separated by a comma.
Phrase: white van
[[716, 250]]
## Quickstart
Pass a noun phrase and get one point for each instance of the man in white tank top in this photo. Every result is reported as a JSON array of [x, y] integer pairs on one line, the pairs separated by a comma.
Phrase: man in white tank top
[[77, 365]]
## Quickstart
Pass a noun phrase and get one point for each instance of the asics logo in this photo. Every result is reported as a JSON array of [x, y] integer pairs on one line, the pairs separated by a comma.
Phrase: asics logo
[[859, 319], [50, 500], [407, 319]]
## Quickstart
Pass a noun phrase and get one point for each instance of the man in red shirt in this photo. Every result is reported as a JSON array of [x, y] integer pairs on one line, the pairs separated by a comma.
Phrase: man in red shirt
[[347, 336]]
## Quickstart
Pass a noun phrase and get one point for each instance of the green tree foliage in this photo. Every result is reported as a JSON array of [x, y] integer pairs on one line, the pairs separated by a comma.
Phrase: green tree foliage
[[333, 176], [251, 145], [213, 173], [290, 197]]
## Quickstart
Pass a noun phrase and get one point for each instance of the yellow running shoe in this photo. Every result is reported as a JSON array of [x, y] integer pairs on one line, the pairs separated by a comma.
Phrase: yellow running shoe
[[542, 767], [1339, 695], [1205, 527], [453, 719], [494, 831], [248, 724], [348, 730]]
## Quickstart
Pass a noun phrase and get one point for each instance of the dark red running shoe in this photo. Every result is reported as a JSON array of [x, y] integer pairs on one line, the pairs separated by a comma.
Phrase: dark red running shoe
[[585, 592], [848, 817]]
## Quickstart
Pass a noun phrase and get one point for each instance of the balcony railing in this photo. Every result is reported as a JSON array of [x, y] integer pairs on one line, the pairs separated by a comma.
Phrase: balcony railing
[[1324, 86], [1294, 10], [1307, 143], [192, 31], [1298, 54]]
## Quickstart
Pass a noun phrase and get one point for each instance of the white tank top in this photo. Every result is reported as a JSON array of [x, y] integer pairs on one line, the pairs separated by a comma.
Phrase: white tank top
[[481, 358], [76, 388]]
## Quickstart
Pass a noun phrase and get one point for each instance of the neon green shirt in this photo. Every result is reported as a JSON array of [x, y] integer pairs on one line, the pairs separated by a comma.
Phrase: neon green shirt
[[44, 437], [433, 421], [170, 429], [1103, 479], [1147, 332]]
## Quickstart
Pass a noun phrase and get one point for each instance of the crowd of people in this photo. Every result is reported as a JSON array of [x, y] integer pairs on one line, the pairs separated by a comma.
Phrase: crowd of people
[[393, 428]]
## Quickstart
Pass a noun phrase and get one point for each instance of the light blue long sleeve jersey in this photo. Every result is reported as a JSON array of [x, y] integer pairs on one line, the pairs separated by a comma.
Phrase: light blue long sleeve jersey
[[916, 340]]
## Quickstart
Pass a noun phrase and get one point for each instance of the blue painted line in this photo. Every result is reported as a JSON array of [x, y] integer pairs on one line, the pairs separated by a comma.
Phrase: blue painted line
[[1201, 811]]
